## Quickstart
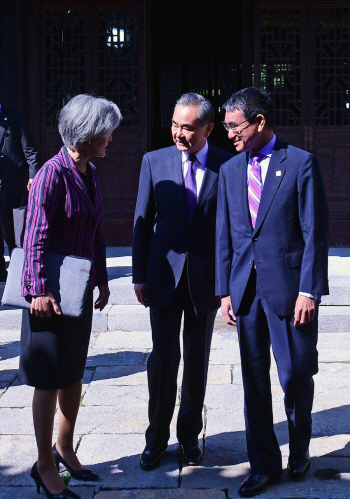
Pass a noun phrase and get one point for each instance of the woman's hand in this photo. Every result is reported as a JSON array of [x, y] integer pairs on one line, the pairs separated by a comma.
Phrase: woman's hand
[[102, 299], [41, 306]]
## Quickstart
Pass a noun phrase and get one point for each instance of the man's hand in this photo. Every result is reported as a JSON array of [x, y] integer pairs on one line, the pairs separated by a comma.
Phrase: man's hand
[[102, 299], [41, 306], [227, 312], [305, 309], [29, 183], [140, 292]]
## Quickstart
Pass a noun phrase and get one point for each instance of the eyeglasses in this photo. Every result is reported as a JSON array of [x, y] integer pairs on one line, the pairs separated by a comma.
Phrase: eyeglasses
[[233, 128]]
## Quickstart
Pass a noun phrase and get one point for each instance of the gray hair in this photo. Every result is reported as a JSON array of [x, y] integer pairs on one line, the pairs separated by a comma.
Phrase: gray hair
[[206, 111], [85, 117]]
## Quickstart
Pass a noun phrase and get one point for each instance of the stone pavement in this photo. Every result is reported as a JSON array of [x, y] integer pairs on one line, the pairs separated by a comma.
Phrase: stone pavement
[[113, 414]]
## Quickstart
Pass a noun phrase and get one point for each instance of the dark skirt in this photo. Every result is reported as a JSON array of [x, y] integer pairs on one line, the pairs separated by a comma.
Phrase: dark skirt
[[54, 350]]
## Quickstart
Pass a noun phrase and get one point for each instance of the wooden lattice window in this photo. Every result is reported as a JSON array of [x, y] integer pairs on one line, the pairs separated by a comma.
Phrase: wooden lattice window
[[332, 70], [118, 61], [65, 59], [280, 61]]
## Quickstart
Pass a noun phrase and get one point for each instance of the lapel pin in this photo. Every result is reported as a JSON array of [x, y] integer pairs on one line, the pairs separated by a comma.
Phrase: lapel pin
[[278, 173], [5, 118]]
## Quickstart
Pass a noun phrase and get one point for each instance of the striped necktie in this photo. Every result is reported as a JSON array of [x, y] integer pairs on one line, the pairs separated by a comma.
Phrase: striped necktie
[[255, 187]]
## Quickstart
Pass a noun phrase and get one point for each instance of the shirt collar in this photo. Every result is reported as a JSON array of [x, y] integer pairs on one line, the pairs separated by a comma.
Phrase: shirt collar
[[268, 149], [201, 155]]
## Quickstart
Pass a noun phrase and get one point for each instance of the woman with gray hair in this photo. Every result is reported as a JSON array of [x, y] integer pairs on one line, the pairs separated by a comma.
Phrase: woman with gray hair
[[64, 216]]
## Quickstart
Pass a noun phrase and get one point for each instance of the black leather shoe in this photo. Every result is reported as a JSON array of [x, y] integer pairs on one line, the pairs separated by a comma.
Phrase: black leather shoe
[[191, 454], [298, 466], [150, 458], [254, 484], [83, 475]]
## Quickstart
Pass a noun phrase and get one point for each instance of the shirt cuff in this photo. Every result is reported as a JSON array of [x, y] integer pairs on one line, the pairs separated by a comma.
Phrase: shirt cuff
[[309, 295]]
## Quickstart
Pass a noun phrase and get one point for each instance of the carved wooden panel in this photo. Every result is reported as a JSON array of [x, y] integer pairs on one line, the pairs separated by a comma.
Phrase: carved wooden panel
[[280, 64], [64, 54], [302, 56], [331, 69], [98, 47]]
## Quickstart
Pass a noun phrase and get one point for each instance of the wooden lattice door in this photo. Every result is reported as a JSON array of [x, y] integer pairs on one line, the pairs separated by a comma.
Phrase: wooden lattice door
[[90, 47], [301, 54]]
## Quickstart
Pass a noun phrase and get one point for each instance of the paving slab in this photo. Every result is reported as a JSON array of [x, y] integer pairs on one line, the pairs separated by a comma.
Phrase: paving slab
[[125, 340], [121, 288], [9, 352], [218, 374], [124, 419], [116, 460], [161, 494], [17, 395], [231, 396], [11, 318], [17, 456], [230, 478], [128, 318], [15, 421], [29, 492], [120, 375], [104, 357], [113, 394], [100, 319]]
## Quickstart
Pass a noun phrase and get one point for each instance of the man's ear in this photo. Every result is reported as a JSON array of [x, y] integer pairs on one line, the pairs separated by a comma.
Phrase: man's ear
[[261, 122], [209, 129]]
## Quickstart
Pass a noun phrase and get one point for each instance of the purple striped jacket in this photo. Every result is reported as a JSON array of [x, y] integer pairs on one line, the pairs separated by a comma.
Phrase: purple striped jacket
[[62, 219]]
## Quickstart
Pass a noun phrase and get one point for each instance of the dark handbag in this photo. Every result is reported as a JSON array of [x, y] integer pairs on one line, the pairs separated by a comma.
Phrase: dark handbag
[[19, 223], [68, 281]]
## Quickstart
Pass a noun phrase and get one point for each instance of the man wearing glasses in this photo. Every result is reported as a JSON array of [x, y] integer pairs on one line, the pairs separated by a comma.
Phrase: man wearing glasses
[[271, 270]]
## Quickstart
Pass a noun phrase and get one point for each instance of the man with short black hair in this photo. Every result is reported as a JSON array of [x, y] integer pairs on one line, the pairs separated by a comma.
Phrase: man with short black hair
[[174, 273], [271, 270]]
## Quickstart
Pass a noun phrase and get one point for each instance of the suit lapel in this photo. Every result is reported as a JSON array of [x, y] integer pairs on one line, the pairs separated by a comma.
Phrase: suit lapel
[[274, 176], [174, 173], [76, 180], [174, 166]]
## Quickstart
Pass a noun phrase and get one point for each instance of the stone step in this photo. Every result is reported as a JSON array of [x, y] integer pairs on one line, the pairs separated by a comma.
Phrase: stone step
[[332, 319], [122, 291]]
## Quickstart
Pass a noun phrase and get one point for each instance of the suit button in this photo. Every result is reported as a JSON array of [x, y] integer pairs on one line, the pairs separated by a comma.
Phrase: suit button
[[255, 239], [183, 254]]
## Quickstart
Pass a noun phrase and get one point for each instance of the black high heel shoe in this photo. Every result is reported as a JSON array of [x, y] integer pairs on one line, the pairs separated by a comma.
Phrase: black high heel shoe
[[84, 475], [65, 494]]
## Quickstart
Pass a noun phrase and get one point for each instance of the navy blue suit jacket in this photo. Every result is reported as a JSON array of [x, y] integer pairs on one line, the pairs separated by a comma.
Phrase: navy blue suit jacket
[[289, 245], [164, 237]]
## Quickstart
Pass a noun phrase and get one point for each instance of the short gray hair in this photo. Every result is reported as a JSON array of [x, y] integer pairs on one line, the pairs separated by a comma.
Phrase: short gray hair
[[206, 111], [85, 117]]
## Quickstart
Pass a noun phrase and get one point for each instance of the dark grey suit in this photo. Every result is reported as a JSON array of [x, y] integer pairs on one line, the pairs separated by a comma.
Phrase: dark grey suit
[[18, 162], [175, 258]]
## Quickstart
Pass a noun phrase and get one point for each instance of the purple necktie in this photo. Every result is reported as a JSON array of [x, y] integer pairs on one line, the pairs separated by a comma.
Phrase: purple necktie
[[255, 187], [191, 186]]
